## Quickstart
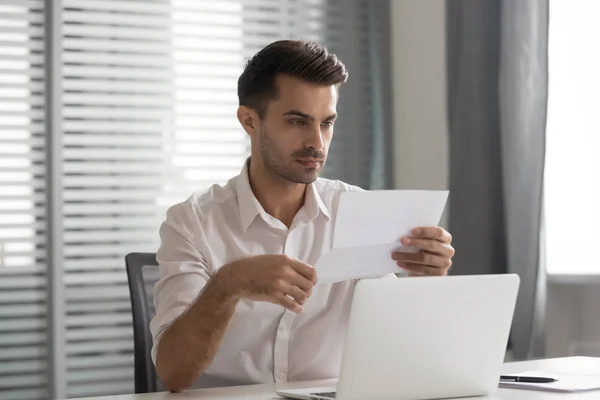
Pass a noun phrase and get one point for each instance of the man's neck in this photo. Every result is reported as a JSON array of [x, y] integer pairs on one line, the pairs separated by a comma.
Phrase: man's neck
[[279, 198]]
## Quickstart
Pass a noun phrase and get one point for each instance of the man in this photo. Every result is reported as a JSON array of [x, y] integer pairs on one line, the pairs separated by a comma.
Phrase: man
[[238, 300]]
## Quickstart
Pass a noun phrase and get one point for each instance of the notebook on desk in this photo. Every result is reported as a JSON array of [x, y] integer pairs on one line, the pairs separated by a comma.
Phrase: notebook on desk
[[565, 382]]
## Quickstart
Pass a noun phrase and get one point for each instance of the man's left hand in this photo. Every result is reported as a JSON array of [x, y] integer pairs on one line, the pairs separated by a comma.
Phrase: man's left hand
[[434, 257]]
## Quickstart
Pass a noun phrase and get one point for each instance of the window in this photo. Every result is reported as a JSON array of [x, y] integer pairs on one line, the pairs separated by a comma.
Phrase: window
[[148, 95], [149, 117], [23, 325], [572, 177]]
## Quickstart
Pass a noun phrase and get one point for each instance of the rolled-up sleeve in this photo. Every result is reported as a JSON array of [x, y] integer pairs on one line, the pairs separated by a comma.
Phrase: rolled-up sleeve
[[183, 270]]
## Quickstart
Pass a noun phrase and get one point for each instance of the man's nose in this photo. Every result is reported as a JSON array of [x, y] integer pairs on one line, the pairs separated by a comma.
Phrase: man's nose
[[315, 138]]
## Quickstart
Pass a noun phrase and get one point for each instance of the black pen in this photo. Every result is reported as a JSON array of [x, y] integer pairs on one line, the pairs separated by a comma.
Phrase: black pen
[[526, 379]]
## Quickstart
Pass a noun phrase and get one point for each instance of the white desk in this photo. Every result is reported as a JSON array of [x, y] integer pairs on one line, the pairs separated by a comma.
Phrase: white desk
[[267, 391]]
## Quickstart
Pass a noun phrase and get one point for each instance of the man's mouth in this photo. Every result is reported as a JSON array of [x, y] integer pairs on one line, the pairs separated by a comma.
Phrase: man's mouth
[[309, 162]]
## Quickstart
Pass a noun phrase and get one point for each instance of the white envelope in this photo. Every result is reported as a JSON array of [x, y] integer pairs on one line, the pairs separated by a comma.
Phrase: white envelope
[[368, 228]]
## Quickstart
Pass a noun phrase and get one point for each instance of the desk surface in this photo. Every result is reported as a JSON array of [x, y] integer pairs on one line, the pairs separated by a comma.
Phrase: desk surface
[[267, 391]]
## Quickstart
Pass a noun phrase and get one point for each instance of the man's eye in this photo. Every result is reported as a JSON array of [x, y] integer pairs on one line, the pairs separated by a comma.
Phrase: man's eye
[[328, 123], [298, 122]]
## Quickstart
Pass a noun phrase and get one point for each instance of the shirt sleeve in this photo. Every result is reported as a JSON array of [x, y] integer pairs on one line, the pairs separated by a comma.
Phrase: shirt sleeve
[[183, 270]]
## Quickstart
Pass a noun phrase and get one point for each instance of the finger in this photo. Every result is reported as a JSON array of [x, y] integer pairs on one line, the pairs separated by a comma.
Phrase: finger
[[287, 303], [305, 270], [433, 232], [423, 270], [298, 294], [410, 273], [430, 245], [423, 258], [300, 280]]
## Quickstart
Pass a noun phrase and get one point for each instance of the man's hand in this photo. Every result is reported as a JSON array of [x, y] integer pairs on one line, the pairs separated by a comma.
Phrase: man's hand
[[278, 279], [189, 345], [434, 257]]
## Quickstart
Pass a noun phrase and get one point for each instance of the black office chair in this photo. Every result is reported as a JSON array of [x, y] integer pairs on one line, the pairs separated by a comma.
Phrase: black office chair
[[142, 275]]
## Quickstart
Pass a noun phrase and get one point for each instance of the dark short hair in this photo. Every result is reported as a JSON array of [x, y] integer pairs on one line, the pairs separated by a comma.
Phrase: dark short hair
[[299, 58]]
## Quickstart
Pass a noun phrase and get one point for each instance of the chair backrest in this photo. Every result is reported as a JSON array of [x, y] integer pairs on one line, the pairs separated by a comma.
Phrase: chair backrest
[[142, 275]]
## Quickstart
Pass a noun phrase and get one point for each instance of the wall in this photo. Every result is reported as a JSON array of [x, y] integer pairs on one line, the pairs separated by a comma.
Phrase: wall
[[419, 94], [421, 155], [573, 318]]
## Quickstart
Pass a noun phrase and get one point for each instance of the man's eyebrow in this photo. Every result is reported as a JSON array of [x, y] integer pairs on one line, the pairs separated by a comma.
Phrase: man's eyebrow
[[300, 114], [308, 117]]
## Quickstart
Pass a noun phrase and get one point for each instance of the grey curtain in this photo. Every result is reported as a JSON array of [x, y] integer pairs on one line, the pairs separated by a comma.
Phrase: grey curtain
[[359, 33], [379, 32], [497, 95]]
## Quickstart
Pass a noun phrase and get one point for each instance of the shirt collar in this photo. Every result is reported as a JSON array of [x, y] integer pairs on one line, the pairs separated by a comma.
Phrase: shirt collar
[[249, 207], [314, 203]]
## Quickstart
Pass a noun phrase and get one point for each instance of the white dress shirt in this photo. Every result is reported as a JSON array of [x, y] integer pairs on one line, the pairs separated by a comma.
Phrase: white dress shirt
[[264, 342]]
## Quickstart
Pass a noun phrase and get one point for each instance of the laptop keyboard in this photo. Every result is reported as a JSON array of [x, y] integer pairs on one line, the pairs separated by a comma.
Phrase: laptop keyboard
[[331, 395]]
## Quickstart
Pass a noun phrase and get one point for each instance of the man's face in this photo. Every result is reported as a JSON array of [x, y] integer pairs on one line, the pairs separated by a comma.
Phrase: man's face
[[296, 132]]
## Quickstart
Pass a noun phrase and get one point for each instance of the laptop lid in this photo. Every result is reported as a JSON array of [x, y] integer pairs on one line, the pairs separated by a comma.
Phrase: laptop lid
[[427, 338]]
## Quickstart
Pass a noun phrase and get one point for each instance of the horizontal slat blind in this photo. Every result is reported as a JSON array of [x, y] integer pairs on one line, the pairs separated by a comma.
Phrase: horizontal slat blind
[[149, 101], [23, 327], [117, 99], [149, 117]]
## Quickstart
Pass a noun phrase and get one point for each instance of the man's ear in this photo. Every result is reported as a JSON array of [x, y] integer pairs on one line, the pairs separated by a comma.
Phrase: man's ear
[[249, 120]]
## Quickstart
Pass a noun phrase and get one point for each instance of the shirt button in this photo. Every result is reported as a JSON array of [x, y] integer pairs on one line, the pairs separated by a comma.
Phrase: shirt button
[[280, 375], [283, 328]]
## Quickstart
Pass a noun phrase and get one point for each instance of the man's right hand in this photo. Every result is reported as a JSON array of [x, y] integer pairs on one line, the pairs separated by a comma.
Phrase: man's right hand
[[278, 279], [189, 345]]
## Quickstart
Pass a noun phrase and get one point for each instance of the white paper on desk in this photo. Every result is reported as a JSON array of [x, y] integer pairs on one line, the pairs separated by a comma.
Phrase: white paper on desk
[[368, 229], [566, 382]]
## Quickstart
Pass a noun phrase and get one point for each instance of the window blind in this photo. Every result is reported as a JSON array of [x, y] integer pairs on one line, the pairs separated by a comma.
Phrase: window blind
[[148, 91], [149, 117], [23, 337]]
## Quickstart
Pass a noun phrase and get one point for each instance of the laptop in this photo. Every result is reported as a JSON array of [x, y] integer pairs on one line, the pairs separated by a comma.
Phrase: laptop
[[423, 338]]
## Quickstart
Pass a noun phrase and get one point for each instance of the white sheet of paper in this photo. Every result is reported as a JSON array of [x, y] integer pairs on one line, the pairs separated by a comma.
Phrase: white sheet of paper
[[567, 382], [368, 229]]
